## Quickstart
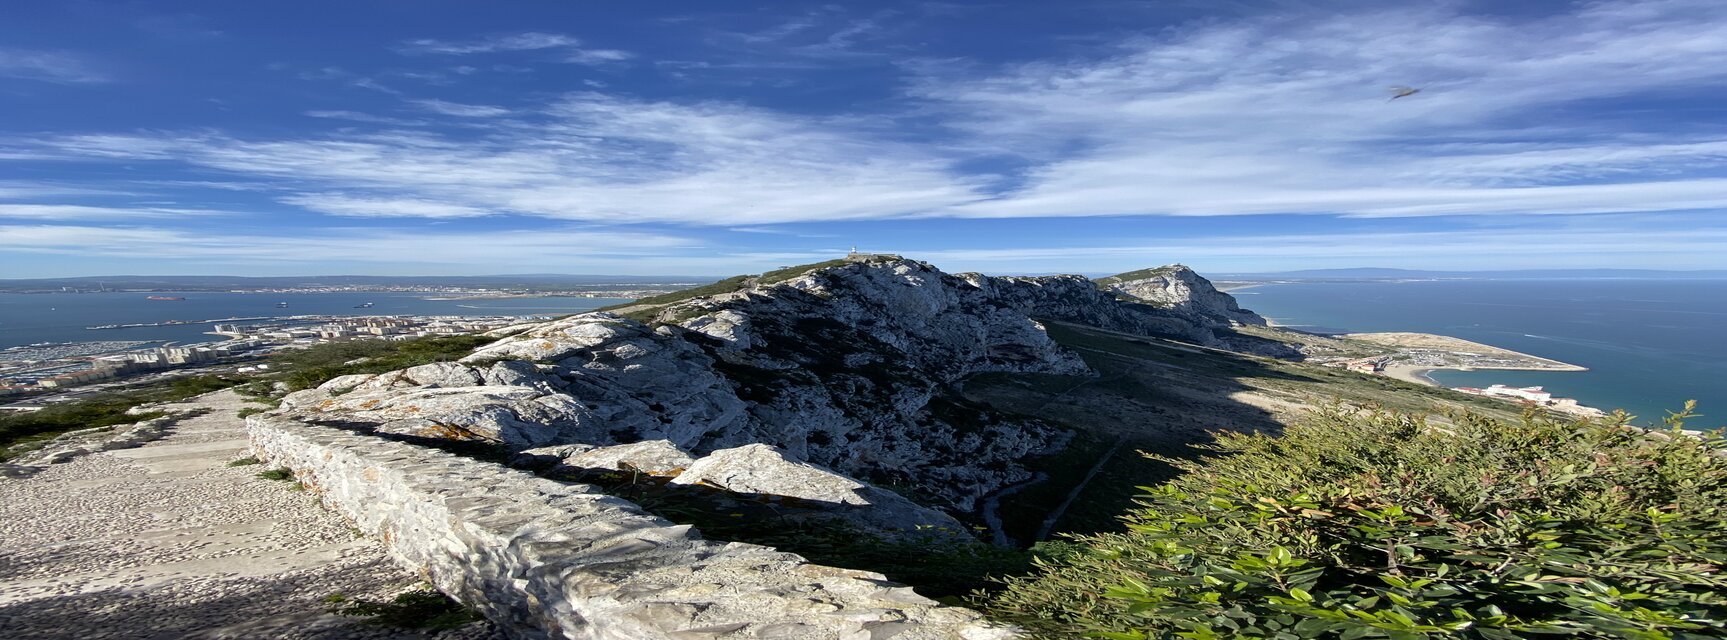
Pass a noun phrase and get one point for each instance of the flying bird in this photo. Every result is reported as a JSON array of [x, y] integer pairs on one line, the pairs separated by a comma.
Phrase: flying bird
[[1403, 92]]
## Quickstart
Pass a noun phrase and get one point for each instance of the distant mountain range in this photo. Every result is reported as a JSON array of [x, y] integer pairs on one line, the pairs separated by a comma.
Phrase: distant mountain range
[[186, 283], [1374, 273]]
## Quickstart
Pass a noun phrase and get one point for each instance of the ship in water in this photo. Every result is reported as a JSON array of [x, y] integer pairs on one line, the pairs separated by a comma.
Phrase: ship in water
[[363, 305], [163, 298], [281, 305]]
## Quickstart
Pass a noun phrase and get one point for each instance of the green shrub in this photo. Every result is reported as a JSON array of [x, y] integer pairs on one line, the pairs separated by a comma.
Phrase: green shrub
[[422, 608], [249, 411], [1360, 523], [245, 462], [282, 473]]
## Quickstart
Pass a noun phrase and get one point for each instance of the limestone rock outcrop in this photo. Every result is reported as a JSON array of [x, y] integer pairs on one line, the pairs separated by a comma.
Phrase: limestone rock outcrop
[[1180, 291], [851, 367], [549, 560]]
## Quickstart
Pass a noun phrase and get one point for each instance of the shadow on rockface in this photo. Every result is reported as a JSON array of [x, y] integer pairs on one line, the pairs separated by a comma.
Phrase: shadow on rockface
[[1151, 395], [937, 562]]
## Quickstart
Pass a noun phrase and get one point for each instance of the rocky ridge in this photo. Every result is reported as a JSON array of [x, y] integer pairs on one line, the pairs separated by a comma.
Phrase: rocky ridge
[[850, 368], [1182, 292]]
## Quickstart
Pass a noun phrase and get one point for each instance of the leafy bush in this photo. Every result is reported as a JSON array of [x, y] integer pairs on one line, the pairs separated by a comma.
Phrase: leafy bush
[[1360, 523], [245, 462]]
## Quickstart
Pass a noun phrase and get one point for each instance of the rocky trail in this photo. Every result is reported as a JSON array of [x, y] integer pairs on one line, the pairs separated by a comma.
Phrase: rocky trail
[[168, 541]]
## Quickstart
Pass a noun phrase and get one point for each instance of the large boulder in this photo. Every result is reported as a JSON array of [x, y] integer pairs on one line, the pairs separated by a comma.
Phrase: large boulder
[[653, 457]]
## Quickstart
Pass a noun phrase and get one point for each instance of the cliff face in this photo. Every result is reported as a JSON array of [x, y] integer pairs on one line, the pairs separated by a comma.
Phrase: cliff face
[[851, 367], [1179, 290]]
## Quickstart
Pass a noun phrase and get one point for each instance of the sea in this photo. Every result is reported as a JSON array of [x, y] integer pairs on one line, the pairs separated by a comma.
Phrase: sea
[[1650, 345], [29, 318]]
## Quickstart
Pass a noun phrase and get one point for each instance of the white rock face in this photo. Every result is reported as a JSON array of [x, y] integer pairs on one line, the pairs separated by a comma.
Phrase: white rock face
[[656, 457], [838, 367], [543, 559], [1180, 290]]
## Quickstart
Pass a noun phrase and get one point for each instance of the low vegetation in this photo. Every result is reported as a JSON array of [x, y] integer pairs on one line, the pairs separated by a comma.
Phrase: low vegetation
[[781, 275], [1363, 523], [245, 462], [307, 368], [422, 608], [279, 474], [21, 432], [1141, 274], [646, 308]]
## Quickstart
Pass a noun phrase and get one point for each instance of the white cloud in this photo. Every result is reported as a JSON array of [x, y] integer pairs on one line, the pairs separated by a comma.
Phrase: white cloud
[[344, 205], [598, 158], [531, 41], [1290, 115], [598, 56], [19, 189], [49, 66], [82, 212], [1641, 246], [517, 42], [462, 110], [357, 116], [554, 249], [1284, 115]]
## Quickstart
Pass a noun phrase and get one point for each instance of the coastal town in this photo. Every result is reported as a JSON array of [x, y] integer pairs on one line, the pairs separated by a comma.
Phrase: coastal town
[[1408, 356], [38, 371]]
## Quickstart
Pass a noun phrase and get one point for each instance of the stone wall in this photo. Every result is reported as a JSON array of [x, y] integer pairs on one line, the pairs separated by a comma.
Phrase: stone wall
[[545, 559]]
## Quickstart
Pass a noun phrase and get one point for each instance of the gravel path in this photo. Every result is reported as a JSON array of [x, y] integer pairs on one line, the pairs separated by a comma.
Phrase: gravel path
[[167, 541]]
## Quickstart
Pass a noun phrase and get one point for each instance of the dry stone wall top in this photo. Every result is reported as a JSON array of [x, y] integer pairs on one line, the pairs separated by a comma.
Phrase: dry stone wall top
[[545, 559]]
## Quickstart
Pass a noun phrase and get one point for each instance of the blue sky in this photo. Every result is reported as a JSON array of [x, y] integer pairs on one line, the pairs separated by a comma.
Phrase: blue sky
[[445, 137]]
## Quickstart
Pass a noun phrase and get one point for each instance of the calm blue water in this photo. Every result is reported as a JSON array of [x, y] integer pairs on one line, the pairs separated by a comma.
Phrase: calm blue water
[[61, 317], [1649, 344]]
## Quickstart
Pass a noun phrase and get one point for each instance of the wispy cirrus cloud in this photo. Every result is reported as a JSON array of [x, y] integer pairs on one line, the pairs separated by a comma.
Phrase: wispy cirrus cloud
[[597, 158], [314, 248], [1527, 247], [386, 207], [1289, 114], [530, 41], [47, 66], [1283, 114], [85, 212], [461, 110], [357, 116]]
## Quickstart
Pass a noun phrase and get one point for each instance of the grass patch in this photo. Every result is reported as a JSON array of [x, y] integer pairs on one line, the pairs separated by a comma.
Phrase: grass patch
[[734, 283], [1140, 274], [781, 275], [307, 368], [423, 608], [245, 462], [279, 474], [21, 432], [250, 411]]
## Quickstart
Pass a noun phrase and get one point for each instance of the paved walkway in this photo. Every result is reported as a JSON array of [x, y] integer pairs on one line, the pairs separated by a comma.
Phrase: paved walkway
[[167, 541]]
